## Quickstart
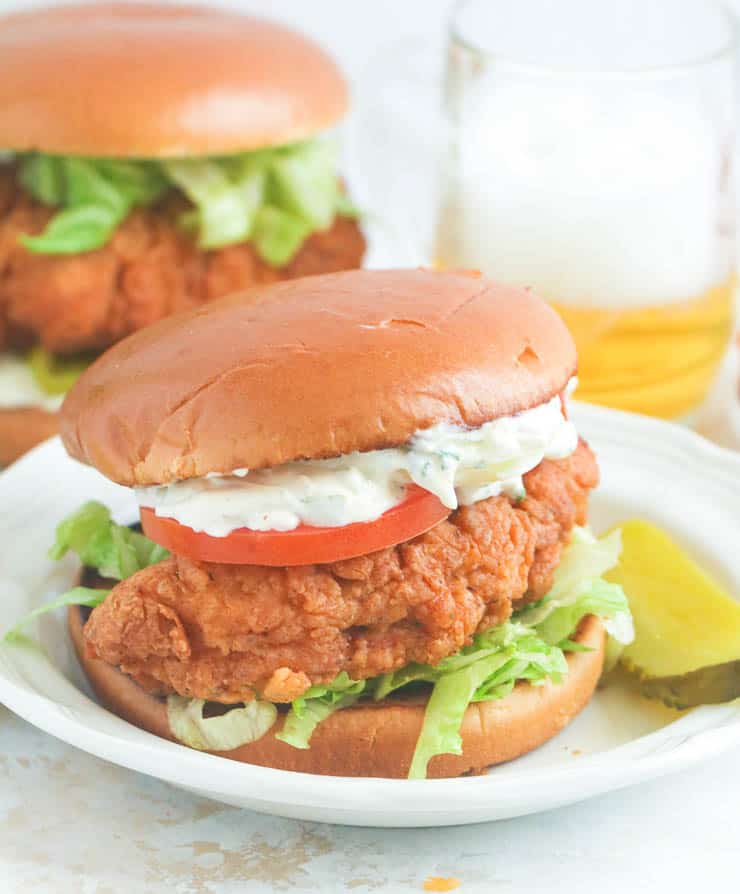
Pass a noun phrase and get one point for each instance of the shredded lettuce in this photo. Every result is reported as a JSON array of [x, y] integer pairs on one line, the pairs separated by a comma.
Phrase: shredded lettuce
[[114, 551], [238, 726], [486, 670], [94, 195], [278, 234], [304, 183], [315, 705], [451, 695], [55, 374], [531, 647], [43, 176], [274, 197], [226, 198], [579, 590], [485, 645], [74, 230]]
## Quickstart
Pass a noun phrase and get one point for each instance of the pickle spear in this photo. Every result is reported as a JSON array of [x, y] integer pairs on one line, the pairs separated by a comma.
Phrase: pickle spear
[[686, 650]]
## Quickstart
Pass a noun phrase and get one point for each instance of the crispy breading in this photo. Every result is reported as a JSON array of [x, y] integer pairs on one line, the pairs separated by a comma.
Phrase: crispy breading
[[224, 632], [149, 269]]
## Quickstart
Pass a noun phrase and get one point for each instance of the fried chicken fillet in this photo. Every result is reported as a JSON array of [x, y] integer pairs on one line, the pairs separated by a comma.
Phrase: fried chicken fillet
[[148, 270], [227, 632]]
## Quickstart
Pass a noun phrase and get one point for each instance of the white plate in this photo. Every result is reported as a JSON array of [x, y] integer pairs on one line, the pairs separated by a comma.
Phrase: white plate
[[649, 469]]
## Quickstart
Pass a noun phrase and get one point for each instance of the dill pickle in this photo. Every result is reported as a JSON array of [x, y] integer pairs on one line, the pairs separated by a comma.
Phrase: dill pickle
[[706, 686], [686, 650]]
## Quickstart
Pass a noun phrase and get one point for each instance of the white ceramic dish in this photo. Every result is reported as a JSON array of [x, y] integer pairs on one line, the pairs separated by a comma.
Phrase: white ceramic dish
[[649, 469]]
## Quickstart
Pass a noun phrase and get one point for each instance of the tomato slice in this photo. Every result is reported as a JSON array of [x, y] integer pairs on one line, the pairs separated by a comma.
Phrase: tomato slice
[[305, 545]]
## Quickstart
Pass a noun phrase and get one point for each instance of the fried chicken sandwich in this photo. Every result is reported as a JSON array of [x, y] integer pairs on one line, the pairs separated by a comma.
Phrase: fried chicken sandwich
[[156, 157], [363, 508]]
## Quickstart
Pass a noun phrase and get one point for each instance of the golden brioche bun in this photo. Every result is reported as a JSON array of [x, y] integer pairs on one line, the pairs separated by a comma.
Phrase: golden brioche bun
[[312, 368], [148, 80], [379, 739], [22, 428]]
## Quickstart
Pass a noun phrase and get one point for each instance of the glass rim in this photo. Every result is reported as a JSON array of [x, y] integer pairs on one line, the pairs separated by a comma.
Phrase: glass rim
[[727, 50]]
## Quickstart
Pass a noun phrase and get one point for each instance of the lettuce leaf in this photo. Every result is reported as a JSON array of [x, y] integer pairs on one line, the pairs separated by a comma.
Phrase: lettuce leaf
[[275, 197], [75, 230], [601, 598], [278, 235], [585, 559], [578, 590], [55, 374], [75, 596], [139, 182], [114, 550], [95, 196], [226, 201], [489, 669], [315, 705], [485, 645], [238, 726], [305, 182], [43, 177]]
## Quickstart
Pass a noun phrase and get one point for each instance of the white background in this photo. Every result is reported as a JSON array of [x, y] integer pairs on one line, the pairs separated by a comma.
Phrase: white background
[[65, 816]]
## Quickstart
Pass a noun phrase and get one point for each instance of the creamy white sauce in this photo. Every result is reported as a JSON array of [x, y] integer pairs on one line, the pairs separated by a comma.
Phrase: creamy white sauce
[[18, 387], [460, 466]]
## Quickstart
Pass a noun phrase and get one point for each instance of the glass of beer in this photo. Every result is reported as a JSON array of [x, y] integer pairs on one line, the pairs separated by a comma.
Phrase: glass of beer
[[590, 156]]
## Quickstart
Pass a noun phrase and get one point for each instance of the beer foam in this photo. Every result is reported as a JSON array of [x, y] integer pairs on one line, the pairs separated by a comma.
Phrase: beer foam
[[592, 193]]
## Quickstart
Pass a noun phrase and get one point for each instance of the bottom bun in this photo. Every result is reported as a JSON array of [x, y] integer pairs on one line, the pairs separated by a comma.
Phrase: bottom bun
[[379, 739], [22, 428]]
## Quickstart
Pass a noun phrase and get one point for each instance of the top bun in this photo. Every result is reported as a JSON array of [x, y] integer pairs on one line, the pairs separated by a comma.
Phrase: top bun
[[154, 81], [312, 368]]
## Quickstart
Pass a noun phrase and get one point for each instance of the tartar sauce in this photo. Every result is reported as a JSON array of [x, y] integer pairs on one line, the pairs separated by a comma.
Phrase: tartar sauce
[[460, 466], [18, 387]]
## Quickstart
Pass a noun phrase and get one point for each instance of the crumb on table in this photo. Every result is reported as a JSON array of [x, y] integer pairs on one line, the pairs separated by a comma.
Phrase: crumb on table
[[438, 883]]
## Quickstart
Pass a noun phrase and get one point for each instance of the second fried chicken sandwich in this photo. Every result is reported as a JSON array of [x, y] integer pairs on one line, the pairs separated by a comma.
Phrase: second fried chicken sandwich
[[155, 157], [362, 503]]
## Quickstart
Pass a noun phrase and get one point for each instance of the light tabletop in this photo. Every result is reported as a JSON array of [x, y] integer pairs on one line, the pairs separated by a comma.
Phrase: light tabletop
[[73, 823]]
